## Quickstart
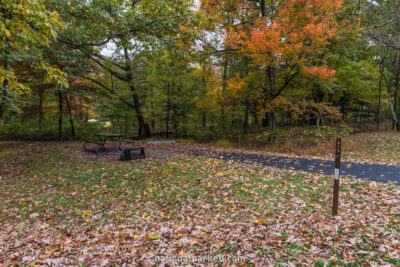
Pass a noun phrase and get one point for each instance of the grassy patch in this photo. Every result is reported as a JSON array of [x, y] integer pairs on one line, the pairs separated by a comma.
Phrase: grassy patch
[[188, 207]]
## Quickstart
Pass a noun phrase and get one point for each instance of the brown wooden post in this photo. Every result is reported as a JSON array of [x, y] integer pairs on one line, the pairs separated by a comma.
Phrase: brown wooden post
[[336, 182]]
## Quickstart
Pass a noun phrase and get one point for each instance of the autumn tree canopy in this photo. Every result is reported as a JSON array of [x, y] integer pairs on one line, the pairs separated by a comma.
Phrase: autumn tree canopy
[[208, 69]]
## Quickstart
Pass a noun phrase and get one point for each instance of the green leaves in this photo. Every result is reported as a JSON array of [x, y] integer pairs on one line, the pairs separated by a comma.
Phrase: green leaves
[[26, 28]]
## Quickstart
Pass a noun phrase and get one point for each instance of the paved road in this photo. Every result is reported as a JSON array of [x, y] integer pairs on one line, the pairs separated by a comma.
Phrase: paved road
[[373, 172]]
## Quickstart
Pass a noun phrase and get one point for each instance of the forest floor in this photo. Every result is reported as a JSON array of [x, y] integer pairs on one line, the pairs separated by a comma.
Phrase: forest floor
[[63, 206]]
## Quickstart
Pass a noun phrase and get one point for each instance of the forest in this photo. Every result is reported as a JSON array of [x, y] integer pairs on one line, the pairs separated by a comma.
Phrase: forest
[[200, 133], [246, 71]]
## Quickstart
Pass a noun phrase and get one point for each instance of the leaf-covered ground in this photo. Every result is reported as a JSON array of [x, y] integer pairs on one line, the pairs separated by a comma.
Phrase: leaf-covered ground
[[371, 147], [379, 147], [59, 208]]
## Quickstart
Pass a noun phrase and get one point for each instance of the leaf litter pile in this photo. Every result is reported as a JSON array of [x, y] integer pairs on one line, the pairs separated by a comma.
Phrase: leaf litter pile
[[60, 209]]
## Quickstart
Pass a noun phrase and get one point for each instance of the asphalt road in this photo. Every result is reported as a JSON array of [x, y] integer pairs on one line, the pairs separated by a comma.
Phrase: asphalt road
[[373, 172]]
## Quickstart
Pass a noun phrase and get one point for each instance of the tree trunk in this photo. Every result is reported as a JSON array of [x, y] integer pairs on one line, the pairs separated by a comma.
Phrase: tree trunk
[[40, 109], [264, 121], [6, 67], [224, 85], [396, 83], [167, 117], [378, 109], [233, 116], [343, 105], [126, 124], [391, 105], [60, 115], [246, 116], [395, 107], [175, 120], [255, 118], [152, 121], [272, 91], [204, 122], [71, 121], [262, 8], [144, 128], [269, 119], [4, 93]]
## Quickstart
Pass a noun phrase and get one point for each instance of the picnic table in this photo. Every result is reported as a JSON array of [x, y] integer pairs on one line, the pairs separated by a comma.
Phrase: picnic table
[[103, 138], [100, 145]]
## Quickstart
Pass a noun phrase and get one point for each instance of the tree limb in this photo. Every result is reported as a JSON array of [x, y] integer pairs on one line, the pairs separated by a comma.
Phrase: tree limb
[[287, 81], [110, 91]]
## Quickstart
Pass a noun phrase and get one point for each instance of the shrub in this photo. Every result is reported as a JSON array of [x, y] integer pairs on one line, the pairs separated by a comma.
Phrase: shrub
[[31, 132]]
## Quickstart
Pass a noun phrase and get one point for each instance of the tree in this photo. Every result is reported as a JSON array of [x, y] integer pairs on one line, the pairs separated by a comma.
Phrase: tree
[[26, 27], [166, 76], [284, 40], [130, 27], [390, 71], [381, 23]]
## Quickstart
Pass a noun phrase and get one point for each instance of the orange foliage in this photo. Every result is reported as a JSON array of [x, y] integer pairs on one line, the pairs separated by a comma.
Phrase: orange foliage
[[296, 35], [322, 72], [289, 41], [236, 83]]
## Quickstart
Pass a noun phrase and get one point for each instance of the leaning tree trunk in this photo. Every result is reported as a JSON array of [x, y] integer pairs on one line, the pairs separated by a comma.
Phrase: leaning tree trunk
[[144, 128], [392, 109]]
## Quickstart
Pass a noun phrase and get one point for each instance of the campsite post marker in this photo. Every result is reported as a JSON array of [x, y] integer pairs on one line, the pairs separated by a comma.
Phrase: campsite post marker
[[335, 202]]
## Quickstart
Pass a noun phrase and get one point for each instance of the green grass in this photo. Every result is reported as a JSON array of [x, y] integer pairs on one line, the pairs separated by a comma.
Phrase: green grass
[[281, 215]]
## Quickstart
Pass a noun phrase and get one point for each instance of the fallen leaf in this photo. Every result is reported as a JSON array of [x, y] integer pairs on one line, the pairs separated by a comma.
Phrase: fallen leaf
[[155, 237], [261, 221]]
